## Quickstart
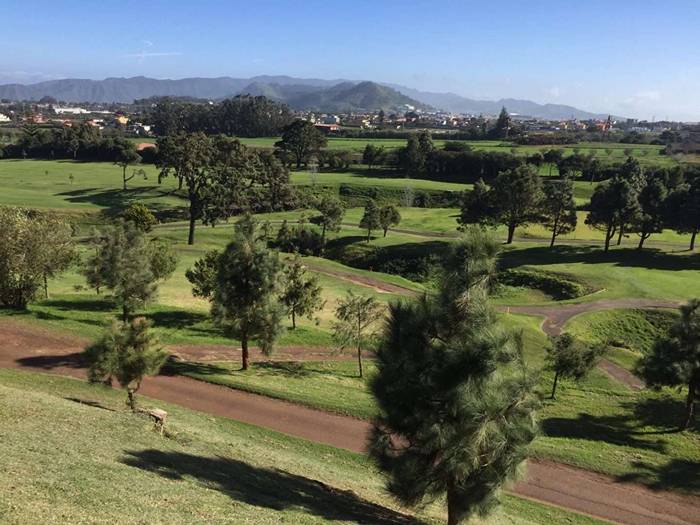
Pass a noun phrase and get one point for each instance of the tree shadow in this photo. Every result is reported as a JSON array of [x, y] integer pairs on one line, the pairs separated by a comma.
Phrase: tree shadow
[[48, 362], [268, 488], [89, 402], [665, 413], [593, 254], [176, 319], [175, 367], [82, 305], [677, 474], [115, 200]]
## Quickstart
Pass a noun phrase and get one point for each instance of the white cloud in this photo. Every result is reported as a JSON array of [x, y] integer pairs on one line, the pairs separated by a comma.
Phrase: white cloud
[[554, 91]]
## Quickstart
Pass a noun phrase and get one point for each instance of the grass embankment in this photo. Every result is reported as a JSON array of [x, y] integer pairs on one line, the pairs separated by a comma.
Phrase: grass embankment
[[71, 453], [630, 333]]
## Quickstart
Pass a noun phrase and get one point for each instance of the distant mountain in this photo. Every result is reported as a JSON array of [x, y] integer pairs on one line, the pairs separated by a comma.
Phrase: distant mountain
[[300, 93], [459, 104], [343, 97]]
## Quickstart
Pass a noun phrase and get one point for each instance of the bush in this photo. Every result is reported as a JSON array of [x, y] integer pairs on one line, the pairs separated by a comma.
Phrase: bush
[[356, 196], [302, 239], [558, 286]]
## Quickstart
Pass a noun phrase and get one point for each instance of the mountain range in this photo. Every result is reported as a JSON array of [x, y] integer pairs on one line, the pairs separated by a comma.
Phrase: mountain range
[[299, 93]]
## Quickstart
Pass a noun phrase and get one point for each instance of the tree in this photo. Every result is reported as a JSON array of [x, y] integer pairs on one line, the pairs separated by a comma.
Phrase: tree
[[33, 248], [683, 208], [388, 216], [301, 292], [245, 299], [370, 218], [557, 208], [355, 315], [189, 157], [330, 218], [162, 259], [140, 216], [651, 210], [675, 359], [125, 155], [127, 264], [413, 157], [567, 357], [502, 127], [613, 204], [455, 402], [553, 157], [127, 351], [203, 275], [476, 207], [300, 139], [515, 196], [372, 155]]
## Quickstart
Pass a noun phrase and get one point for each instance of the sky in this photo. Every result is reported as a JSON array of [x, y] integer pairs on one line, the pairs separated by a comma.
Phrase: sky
[[636, 58]]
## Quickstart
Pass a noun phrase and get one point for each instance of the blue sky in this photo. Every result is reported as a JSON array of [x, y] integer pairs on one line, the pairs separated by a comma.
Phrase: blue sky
[[638, 58]]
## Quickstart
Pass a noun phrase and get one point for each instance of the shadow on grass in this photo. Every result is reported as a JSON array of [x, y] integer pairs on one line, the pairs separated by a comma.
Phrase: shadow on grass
[[178, 319], [48, 362], [175, 367], [267, 488], [636, 419], [89, 402], [677, 474], [114, 200], [81, 305], [625, 257]]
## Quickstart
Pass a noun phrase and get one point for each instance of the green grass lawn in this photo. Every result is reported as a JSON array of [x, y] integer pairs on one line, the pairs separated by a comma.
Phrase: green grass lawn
[[72, 453]]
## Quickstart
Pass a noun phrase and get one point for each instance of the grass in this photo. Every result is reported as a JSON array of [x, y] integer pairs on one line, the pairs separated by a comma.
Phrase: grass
[[630, 333], [71, 453]]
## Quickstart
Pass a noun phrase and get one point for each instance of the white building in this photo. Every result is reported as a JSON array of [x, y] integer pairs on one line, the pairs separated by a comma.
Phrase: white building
[[71, 111], [4, 118]]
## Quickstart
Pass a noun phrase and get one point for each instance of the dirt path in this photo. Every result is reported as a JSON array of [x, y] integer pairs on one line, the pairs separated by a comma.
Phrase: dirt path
[[32, 347], [556, 316]]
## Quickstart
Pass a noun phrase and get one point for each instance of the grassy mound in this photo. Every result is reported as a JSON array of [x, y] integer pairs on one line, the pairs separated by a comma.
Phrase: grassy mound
[[71, 453]]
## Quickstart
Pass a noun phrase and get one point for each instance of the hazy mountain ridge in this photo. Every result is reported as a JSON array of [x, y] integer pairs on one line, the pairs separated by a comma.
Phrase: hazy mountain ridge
[[300, 93]]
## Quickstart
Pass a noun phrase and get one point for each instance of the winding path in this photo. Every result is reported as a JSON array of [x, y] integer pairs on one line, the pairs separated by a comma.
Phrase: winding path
[[35, 348]]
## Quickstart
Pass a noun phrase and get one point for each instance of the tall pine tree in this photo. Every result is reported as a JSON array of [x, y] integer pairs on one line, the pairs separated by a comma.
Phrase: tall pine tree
[[456, 405]]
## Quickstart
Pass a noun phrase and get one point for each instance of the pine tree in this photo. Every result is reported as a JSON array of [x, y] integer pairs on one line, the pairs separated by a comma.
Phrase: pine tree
[[675, 359], [355, 315], [557, 208], [128, 352], [126, 263], [388, 216], [567, 357], [370, 218], [515, 197], [245, 300], [301, 292], [330, 216], [456, 406]]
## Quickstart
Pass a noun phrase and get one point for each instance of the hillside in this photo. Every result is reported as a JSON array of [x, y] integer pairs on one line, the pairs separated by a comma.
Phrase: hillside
[[300, 93], [114, 468]]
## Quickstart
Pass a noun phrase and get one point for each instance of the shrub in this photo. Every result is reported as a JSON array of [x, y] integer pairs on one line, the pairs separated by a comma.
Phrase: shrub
[[558, 286]]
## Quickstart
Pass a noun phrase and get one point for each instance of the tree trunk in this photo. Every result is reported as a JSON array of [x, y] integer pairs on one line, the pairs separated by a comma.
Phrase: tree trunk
[[385, 230], [124, 177], [511, 233], [452, 513], [190, 237], [689, 407], [369, 233], [294, 319], [608, 236], [244, 352], [179, 183], [46, 288], [131, 398], [359, 359], [692, 240], [620, 234], [642, 237], [125, 313], [554, 236], [554, 386]]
